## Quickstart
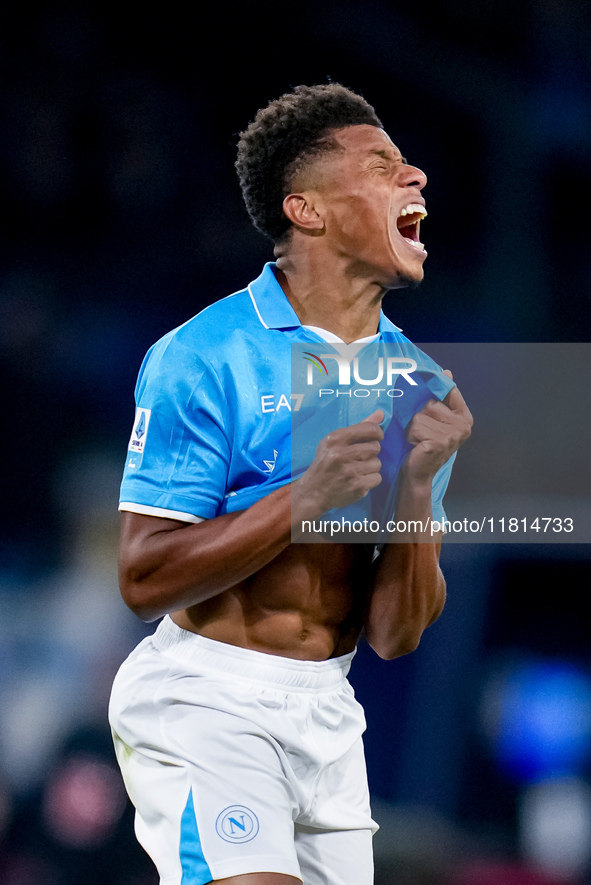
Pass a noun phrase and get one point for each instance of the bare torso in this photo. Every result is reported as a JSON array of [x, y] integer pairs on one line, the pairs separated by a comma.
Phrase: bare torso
[[308, 604]]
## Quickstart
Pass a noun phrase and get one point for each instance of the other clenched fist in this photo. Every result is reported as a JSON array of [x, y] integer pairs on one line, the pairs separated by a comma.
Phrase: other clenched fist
[[436, 432]]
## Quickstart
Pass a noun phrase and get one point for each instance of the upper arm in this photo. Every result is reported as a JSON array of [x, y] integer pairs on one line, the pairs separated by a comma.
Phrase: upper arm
[[136, 544], [179, 451]]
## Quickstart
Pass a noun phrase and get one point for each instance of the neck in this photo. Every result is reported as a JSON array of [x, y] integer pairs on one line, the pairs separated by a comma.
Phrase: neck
[[327, 292]]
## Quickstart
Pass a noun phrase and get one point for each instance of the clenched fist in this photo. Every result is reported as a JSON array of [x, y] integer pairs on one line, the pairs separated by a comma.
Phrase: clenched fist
[[436, 432], [346, 465]]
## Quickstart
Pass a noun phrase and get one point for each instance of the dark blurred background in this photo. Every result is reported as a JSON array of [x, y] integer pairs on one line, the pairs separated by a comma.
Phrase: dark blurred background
[[121, 217]]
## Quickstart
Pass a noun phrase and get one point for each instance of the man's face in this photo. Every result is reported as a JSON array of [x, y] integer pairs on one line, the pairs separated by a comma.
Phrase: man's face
[[372, 206]]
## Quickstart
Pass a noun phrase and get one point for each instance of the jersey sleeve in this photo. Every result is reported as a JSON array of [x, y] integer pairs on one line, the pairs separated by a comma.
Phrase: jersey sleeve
[[179, 454]]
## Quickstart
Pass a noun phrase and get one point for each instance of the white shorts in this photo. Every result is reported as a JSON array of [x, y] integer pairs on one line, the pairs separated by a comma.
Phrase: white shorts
[[242, 762]]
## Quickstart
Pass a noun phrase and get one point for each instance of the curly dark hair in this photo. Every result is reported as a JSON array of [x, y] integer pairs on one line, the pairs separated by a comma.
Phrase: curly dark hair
[[283, 137]]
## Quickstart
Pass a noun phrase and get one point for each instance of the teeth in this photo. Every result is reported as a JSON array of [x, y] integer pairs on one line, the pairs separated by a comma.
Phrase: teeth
[[414, 209], [416, 244]]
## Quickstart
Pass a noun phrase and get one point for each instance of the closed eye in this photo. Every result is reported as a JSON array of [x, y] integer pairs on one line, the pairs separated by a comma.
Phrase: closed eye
[[380, 167]]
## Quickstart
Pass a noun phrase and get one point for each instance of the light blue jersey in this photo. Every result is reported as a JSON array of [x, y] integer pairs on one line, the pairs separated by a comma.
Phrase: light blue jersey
[[212, 432]]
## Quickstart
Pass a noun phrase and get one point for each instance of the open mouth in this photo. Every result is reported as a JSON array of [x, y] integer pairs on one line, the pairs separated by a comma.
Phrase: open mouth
[[409, 223]]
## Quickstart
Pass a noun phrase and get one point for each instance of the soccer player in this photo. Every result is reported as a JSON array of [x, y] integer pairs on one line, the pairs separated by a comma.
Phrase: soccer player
[[236, 730]]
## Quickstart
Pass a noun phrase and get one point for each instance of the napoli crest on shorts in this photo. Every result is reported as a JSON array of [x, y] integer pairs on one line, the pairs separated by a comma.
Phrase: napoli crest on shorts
[[237, 823]]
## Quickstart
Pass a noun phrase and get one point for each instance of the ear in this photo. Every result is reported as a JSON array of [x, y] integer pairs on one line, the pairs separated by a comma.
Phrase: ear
[[302, 211]]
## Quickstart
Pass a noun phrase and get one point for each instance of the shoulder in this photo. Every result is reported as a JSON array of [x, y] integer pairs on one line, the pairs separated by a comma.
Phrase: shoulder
[[225, 334], [210, 329], [205, 338]]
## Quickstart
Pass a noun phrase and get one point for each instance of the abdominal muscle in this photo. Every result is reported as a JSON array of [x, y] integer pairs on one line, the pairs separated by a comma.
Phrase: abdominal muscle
[[307, 604]]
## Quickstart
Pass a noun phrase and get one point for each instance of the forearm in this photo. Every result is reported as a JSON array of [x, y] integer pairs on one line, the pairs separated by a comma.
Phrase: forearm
[[165, 565], [408, 589]]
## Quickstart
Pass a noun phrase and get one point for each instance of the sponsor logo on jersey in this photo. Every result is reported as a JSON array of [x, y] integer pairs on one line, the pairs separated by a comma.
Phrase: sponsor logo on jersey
[[237, 823], [270, 465], [139, 433], [290, 401]]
